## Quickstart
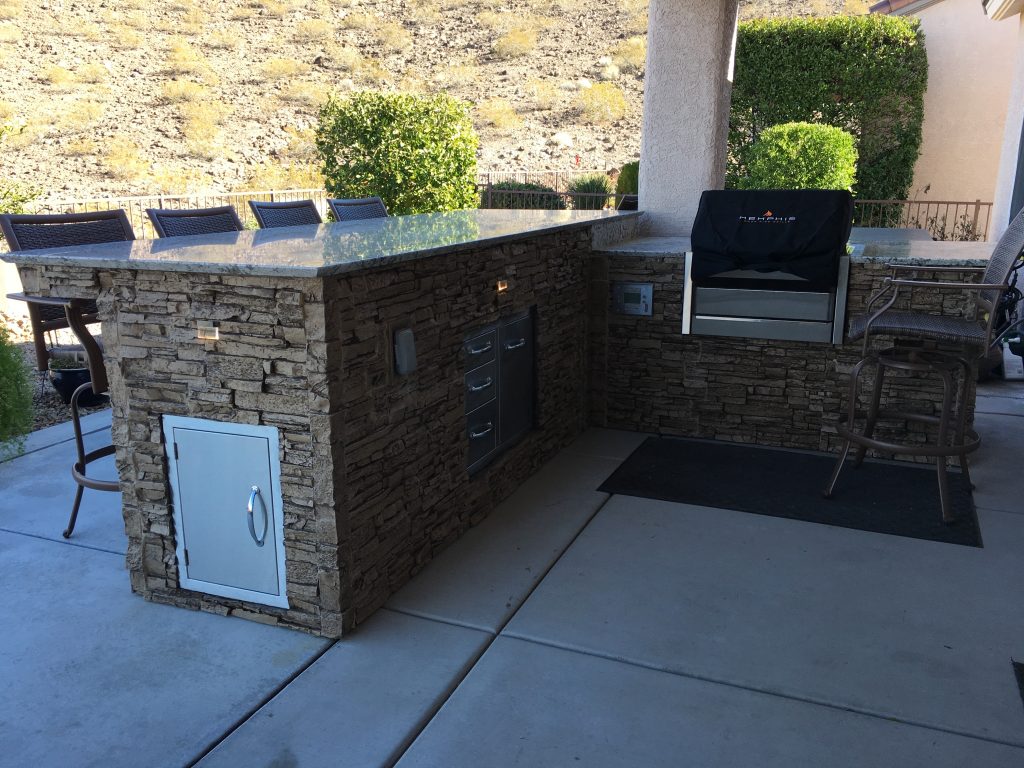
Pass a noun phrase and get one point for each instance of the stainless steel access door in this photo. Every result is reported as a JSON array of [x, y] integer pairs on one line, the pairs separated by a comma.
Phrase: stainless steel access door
[[227, 509], [516, 392]]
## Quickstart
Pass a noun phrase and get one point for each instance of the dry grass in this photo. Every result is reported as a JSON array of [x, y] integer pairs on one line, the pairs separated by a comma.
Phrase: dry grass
[[543, 94], [424, 11], [275, 69], [58, 77], [184, 59], [275, 175], [80, 115], [182, 91], [168, 179], [92, 73], [630, 55], [460, 75], [9, 33], [500, 114], [242, 13], [81, 147], [303, 94], [374, 73], [515, 43], [11, 9], [313, 31], [201, 120], [223, 40], [603, 103], [123, 159], [6, 111], [273, 9], [505, 21], [345, 58], [392, 36], [122, 35], [357, 20]]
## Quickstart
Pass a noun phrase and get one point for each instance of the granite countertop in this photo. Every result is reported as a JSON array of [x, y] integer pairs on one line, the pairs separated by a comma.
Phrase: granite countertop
[[315, 251], [913, 247]]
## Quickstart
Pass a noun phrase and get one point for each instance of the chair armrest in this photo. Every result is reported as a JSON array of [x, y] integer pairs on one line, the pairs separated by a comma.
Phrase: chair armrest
[[917, 268], [947, 285], [52, 301]]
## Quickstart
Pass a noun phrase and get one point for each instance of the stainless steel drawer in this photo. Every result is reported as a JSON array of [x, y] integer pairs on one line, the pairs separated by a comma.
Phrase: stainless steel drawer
[[480, 350], [775, 305], [481, 385], [482, 432]]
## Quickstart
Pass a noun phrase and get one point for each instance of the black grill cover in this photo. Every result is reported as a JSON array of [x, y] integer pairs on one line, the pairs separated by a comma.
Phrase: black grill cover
[[802, 232]]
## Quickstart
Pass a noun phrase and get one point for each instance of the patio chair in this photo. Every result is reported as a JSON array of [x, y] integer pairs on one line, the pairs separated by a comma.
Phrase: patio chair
[[353, 209], [30, 232], [185, 222], [973, 332], [291, 214], [52, 231]]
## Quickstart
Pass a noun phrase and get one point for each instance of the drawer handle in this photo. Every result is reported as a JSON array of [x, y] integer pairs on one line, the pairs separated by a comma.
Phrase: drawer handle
[[260, 540], [480, 350], [488, 428], [488, 382], [510, 345]]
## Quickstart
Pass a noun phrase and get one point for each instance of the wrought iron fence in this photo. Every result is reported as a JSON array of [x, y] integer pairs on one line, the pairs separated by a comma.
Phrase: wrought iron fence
[[496, 196], [944, 219], [136, 207], [556, 180]]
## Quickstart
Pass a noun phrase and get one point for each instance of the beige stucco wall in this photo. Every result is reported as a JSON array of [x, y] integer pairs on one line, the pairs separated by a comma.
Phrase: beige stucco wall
[[687, 92], [1009, 140], [970, 73]]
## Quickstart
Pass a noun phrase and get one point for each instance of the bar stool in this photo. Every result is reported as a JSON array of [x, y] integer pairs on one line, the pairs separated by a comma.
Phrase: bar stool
[[972, 332]]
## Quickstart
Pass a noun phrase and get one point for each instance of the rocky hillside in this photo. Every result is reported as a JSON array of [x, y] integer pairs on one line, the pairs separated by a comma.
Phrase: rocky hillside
[[135, 97]]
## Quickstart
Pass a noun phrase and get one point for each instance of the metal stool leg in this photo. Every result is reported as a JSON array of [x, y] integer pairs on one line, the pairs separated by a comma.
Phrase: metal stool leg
[[872, 418], [851, 413], [940, 461], [961, 430], [74, 513]]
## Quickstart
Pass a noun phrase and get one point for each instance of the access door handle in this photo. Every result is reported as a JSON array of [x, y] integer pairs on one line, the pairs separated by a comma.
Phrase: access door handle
[[255, 494], [482, 385], [487, 429], [480, 350], [510, 345]]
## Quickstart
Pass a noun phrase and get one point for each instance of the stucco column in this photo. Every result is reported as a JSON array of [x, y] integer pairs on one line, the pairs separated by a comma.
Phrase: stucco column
[[1011, 140], [687, 88]]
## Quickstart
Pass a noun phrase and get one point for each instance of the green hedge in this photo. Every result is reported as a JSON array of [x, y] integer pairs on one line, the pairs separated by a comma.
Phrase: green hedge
[[521, 194], [591, 193], [802, 156], [15, 397], [417, 153], [12, 196], [628, 182], [866, 75]]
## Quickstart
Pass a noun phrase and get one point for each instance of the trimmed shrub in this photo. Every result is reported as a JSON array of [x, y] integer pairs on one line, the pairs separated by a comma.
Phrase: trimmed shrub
[[15, 397], [802, 156], [417, 153], [591, 193], [13, 197], [521, 195], [629, 179], [866, 75]]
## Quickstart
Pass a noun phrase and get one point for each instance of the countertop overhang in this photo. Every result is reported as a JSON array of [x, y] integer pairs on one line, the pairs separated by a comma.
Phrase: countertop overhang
[[320, 251]]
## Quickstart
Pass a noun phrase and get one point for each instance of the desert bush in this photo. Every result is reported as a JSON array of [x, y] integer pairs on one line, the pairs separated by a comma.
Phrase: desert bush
[[13, 197], [57, 76], [628, 182], [313, 31], [359, 21], [82, 147], [15, 397], [515, 43], [223, 39], [543, 95], [285, 175], [603, 103], [373, 72], [418, 153], [345, 58], [630, 55], [184, 59], [591, 193], [802, 156], [273, 9], [274, 69], [179, 91], [866, 75], [6, 113], [10, 9], [80, 115], [9, 33], [305, 94], [201, 120], [392, 36], [124, 159], [521, 195], [500, 114], [92, 73]]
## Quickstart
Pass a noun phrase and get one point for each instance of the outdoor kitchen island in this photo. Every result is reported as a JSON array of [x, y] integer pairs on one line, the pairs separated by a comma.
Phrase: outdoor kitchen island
[[305, 402]]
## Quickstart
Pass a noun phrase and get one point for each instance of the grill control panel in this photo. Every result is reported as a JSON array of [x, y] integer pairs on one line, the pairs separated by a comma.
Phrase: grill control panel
[[632, 298]]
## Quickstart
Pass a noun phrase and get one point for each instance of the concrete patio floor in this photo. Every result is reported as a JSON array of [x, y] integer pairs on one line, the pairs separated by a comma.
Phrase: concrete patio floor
[[569, 628]]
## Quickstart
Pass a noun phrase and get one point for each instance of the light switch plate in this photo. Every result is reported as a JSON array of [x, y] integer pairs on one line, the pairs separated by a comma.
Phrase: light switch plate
[[405, 352]]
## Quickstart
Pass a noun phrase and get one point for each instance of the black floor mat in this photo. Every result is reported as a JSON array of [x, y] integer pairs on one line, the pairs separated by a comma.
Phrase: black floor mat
[[879, 497]]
